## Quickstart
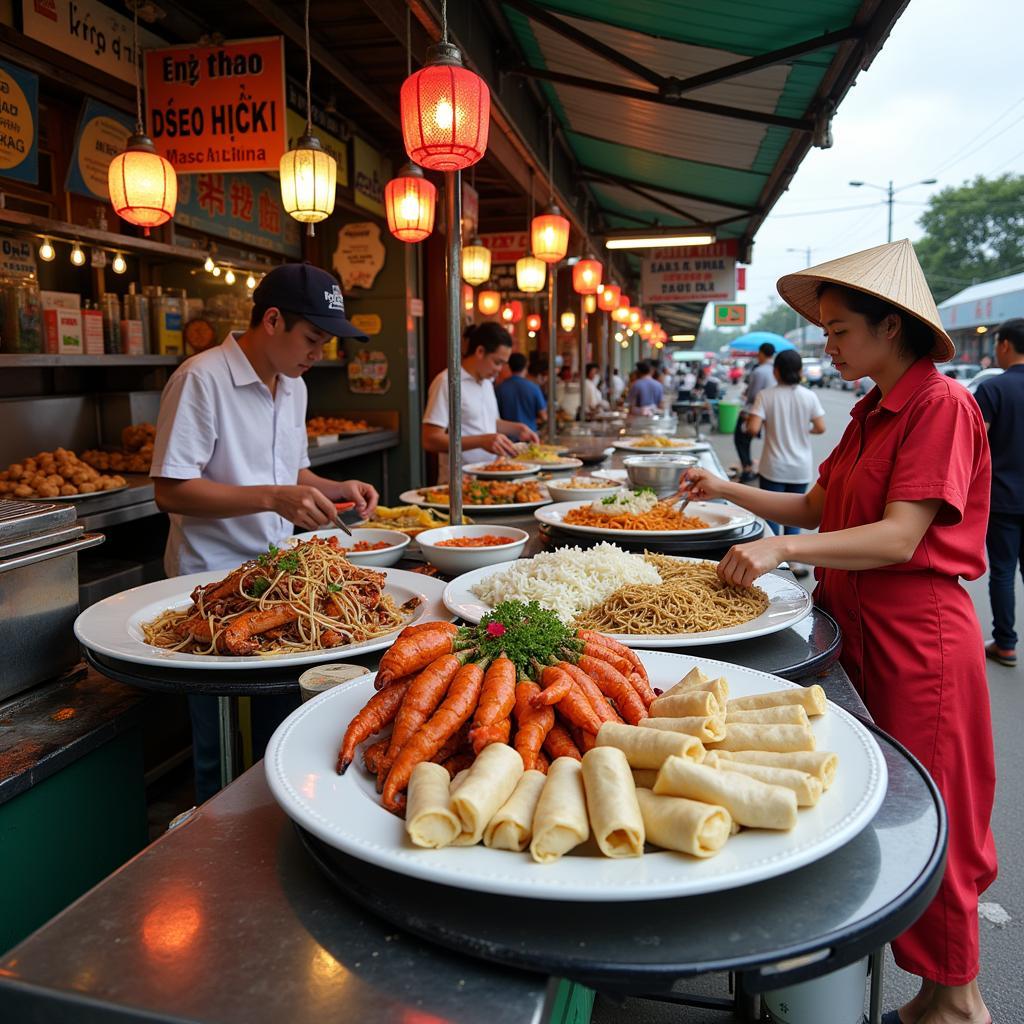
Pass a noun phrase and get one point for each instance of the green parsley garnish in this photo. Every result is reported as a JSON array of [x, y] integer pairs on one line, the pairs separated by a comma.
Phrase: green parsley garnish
[[529, 632], [334, 588], [268, 557], [258, 587], [289, 563], [645, 490]]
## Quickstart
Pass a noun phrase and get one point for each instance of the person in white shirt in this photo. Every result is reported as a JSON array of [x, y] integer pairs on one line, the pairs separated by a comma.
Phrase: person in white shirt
[[484, 433], [616, 386], [230, 462], [790, 413], [593, 401]]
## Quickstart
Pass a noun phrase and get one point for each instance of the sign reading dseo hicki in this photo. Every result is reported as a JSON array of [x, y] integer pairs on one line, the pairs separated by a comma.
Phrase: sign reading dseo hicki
[[218, 108]]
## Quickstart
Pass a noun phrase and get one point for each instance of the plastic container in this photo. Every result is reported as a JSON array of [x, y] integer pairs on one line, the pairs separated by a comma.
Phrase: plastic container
[[728, 417], [837, 998]]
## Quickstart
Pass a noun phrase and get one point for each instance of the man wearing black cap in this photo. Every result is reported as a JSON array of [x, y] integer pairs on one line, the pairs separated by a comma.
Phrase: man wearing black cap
[[230, 461]]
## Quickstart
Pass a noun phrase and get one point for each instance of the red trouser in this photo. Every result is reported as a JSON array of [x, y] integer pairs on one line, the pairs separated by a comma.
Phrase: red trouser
[[912, 647]]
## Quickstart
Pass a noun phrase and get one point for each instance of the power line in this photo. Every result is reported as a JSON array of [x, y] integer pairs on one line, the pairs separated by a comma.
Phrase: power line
[[954, 158], [818, 213]]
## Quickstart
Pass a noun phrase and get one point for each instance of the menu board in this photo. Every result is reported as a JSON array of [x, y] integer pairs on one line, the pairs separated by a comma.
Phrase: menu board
[[19, 124], [359, 255], [690, 273], [102, 134]]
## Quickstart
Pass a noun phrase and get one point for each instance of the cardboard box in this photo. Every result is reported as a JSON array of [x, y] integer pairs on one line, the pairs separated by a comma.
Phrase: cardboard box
[[132, 338], [50, 344], [69, 332], [60, 300], [92, 332]]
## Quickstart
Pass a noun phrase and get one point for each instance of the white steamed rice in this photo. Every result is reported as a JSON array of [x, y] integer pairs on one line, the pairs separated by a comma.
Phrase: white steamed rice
[[569, 580]]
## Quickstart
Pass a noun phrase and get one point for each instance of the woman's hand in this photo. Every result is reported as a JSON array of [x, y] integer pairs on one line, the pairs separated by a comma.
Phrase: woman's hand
[[701, 484], [498, 444], [528, 435], [363, 494], [743, 563]]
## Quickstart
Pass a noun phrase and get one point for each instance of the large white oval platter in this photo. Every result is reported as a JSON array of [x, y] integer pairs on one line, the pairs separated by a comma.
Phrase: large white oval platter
[[721, 517]]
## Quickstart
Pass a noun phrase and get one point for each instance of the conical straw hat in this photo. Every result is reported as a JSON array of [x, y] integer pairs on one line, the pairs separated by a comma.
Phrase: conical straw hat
[[890, 272]]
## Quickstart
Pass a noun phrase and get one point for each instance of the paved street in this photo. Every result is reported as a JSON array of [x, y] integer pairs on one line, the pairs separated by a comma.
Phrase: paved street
[[1002, 939]]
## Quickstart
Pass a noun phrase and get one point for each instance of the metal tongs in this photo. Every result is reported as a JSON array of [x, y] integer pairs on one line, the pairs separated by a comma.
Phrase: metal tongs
[[343, 506]]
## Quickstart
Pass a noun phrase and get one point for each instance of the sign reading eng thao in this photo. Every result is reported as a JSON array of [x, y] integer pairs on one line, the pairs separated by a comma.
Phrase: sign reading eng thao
[[218, 108]]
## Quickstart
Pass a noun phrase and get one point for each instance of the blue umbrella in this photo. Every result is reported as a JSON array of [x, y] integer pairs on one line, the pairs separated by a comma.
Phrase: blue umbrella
[[750, 343]]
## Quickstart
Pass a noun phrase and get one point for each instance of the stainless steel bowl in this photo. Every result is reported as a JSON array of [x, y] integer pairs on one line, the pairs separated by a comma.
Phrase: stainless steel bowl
[[660, 472]]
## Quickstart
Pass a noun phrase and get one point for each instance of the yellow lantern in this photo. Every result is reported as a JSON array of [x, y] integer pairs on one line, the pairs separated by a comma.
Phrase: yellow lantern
[[568, 321], [476, 262], [309, 178], [590, 303], [531, 273], [488, 302], [549, 235]]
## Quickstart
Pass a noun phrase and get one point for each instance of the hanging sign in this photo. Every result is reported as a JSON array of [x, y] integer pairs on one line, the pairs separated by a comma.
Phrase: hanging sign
[[102, 134], [507, 247], [690, 273], [17, 257], [88, 31], [368, 373], [359, 255], [244, 208], [731, 316], [19, 124], [369, 323], [332, 131], [218, 108], [470, 210], [371, 172]]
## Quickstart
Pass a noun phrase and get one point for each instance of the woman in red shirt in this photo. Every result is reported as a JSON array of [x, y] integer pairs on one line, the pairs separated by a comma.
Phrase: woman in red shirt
[[901, 507]]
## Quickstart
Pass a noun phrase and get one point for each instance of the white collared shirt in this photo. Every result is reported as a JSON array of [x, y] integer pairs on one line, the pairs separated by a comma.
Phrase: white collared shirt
[[218, 421], [479, 414]]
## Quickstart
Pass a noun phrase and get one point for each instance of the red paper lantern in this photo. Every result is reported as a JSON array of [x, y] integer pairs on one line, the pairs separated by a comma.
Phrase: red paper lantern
[[608, 297], [142, 184], [446, 112], [636, 315], [488, 302], [409, 202], [586, 276], [512, 312], [533, 322], [549, 236]]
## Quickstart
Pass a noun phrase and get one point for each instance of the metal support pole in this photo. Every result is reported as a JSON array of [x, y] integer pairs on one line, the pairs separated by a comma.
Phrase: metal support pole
[[581, 415], [227, 728], [453, 206], [891, 193], [552, 351], [605, 372]]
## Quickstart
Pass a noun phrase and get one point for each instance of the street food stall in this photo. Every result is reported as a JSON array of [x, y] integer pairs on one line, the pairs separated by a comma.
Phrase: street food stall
[[558, 595]]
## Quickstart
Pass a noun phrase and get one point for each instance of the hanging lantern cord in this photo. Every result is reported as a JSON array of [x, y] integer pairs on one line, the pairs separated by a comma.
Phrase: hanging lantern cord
[[444, 21], [408, 41], [551, 158], [309, 73], [139, 128]]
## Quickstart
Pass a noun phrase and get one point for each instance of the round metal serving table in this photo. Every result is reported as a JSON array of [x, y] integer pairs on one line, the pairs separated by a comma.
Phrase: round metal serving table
[[227, 687], [775, 933]]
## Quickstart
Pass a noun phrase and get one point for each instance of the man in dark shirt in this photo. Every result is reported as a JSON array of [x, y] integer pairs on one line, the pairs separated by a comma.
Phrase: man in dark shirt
[[519, 399], [1002, 406]]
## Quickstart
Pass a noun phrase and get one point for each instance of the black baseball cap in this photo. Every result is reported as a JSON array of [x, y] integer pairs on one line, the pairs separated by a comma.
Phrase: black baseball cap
[[309, 292]]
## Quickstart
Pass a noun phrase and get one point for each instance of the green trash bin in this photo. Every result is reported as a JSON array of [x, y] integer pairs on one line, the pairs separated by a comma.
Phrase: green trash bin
[[728, 417]]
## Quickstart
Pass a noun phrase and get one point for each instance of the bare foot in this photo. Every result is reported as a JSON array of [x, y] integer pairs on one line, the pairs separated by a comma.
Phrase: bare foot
[[956, 1004], [910, 1013]]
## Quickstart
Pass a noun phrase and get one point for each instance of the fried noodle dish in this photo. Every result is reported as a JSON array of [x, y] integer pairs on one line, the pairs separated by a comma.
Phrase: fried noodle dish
[[690, 599], [489, 492], [307, 598], [633, 510]]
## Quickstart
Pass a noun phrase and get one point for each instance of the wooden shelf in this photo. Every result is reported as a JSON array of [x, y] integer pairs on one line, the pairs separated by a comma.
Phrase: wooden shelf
[[29, 359]]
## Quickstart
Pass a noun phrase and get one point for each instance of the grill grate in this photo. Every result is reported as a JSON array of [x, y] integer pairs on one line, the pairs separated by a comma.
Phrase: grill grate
[[21, 518]]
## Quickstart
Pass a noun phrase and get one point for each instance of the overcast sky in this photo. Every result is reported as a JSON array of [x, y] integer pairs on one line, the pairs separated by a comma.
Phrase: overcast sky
[[943, 99]]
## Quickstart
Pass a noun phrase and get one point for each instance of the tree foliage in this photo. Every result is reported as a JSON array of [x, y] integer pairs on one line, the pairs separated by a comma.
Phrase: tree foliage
[[778, 318], [973, 232]]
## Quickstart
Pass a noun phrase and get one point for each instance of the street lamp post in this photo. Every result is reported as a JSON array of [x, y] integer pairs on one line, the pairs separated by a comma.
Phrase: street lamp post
[[890, 192], [803, 330]]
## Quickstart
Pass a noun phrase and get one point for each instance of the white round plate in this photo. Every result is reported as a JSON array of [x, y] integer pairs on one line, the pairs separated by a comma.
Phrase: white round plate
[[789, 603], [720, 517], [415, 498], [113, 627], [345, 811], [83, 497], [681, 447], [492, 474], [561, 466]]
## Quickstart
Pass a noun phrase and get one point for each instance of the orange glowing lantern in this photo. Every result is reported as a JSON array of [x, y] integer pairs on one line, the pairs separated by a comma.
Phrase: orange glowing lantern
[[409, 202], [620, 314], [512, 312], [143, 186], [531, 274], [586, 276], [646, 328], [467, 298], [608, 297], [446, 110], [635, 317], [533, 322], [488, 302], [549, 236]]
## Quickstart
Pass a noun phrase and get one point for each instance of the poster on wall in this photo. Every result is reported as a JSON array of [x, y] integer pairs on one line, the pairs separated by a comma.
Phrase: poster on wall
[[690, 273], [332, 130], [244, 208], [359, 255], [507, 246], [88, 31], [102, 134], [17, 258], [218, 108], [19, 124], [368, 373], [371, 173]]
